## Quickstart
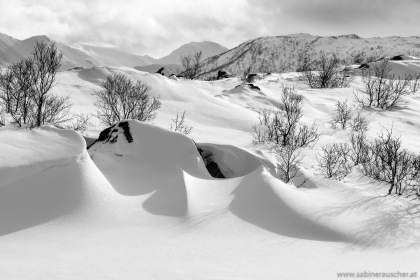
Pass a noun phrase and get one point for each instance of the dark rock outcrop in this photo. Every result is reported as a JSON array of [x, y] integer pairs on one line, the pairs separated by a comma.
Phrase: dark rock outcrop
[[110, 134], [223, 74]]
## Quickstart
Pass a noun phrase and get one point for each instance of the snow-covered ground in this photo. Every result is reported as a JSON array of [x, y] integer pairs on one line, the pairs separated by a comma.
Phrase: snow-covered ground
[[150, 210]]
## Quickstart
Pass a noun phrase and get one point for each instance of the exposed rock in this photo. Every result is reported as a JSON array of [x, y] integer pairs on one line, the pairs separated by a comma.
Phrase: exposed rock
[[211, 166], [251, 86], [110, 134], [164, 72], [397, 57], [223, 74]]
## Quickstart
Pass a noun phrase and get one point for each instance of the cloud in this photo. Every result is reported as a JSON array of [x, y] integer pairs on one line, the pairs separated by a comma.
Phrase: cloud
[[159, 26]]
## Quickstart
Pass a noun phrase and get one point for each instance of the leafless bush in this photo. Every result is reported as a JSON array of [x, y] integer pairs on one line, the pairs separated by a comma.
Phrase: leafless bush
[[288, 159], [335, 161], [343, 114], [414, 83], [359, 124], [327, 74], [179, 124], [388, 162], [413, 190], [25, 89], [381, 89], [281, 129], [359, 148], [282, 126], [81, 122], [122, 99], [191, 65]]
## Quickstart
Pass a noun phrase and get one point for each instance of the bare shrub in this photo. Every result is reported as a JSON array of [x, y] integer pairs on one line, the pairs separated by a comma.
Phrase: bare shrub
[[414, 83], [191, 65], [288, 159], [46, 59], [359, 148], [281, 126], [179, 124], [335, 161], [122, 99], [282, 130], [343, 114], [359, 124], [413, 190], [381, 89], [81, 122], [25, 89], [388, 161], [325, 73]]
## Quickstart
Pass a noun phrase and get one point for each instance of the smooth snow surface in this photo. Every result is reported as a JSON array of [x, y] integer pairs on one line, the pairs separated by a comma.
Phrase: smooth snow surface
[[149, 209]]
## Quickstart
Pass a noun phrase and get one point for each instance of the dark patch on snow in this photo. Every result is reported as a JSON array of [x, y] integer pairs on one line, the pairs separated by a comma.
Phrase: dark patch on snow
[[160, 71], [251, 86], [364, 66], [110, 134], [397, 57], [251, 77], [126, 131], [211, 166], [223, 74]]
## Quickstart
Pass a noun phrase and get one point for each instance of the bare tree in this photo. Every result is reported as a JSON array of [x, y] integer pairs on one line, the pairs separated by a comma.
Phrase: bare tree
[[46, 62], [381, 89], [334, 161], [191, 65], [288, 159], [25, 89], [359, 148], [343, 114], [327, 73], [122, 99], [359, 124], [414, 83], [179, 124], [388, 161], [81, 122]]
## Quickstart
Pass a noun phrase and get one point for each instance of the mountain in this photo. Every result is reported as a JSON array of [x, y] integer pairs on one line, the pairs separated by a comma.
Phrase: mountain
[[74, 54], [208, 49], [280, 53]]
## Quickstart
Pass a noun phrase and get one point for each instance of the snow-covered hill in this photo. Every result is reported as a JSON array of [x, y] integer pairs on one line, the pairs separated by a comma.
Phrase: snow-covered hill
[[207, 49], [75, 54], [280, 53], [140, 203]]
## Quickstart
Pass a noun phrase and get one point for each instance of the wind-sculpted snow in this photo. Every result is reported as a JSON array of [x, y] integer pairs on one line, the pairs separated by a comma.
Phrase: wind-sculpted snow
[[27, 152], [143, 205], [169, 165]]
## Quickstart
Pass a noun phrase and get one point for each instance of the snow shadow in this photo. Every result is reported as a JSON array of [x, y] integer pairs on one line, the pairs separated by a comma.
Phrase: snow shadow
[[39, 198], [255, 202], [130, 177]]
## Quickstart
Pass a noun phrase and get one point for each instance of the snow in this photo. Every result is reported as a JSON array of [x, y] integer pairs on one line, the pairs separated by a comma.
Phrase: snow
[[149, 209]]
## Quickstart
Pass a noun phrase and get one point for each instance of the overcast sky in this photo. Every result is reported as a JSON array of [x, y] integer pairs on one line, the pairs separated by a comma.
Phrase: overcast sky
[[156, 27]]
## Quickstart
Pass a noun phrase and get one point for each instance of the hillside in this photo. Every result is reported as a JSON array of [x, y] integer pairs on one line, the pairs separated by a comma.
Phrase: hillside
[[208, 49], [75, 54], [144, 205], [280, 53]]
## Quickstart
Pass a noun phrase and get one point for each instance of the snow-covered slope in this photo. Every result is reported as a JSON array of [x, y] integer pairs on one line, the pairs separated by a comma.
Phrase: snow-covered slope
[[140, 203], [74, 54], [280, 53], [207, 49]]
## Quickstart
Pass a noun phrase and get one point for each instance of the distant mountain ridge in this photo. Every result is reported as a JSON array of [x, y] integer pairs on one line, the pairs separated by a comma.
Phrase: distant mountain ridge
[[207, 48], [74, 54], [87, 54], [280, 53]]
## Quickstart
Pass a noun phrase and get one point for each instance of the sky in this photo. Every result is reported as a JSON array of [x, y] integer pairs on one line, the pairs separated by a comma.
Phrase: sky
[[156, 27]]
